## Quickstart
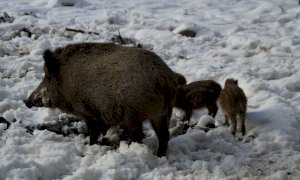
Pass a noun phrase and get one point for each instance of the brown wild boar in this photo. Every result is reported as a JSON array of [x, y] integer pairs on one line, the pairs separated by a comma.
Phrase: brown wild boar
[[197, 95], [233, 102], [106, 85]]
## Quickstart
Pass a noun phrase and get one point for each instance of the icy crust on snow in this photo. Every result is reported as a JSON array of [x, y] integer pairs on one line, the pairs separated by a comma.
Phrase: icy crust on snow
[[256, 42]]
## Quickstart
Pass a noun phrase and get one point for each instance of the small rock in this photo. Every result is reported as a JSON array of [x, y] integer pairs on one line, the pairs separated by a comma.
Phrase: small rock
[[188, 33], [6, 18]]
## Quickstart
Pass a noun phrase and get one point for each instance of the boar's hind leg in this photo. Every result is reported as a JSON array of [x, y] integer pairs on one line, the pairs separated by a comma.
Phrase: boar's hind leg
[[160, 126], [95, 128]]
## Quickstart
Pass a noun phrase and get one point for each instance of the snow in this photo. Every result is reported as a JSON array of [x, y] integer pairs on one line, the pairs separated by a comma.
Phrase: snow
[[256, 42], [204, 121]]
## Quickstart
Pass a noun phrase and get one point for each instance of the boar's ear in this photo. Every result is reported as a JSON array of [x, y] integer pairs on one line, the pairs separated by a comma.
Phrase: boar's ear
[[51, 63]]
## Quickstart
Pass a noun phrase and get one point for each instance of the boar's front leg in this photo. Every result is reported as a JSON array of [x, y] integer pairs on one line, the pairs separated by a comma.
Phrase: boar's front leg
[[95, 128], [135, 132]]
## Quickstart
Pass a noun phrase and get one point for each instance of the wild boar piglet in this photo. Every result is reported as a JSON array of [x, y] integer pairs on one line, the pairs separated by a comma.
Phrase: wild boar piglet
[[196, 95], [233, 102]]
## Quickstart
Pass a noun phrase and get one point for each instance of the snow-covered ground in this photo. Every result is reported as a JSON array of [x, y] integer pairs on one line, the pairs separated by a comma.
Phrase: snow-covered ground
[[256, 42]]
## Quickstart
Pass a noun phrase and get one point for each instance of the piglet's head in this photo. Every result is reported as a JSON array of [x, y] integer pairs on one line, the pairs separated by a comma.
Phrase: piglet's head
[[47, 92], [231, 82]]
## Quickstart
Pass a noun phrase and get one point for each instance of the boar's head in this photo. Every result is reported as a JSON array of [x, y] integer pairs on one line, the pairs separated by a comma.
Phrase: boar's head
[[48, 92]]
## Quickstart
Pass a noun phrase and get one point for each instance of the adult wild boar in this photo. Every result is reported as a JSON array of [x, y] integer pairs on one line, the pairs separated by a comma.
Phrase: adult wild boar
[[106, 85]]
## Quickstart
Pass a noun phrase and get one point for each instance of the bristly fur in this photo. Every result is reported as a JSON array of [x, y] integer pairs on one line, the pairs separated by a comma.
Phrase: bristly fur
[[198, 95], [180, 79], [108, 84], [233, 102]]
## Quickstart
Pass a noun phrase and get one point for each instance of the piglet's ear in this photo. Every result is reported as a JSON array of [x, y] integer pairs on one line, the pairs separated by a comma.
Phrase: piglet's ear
[[236, 82], [51, 66]]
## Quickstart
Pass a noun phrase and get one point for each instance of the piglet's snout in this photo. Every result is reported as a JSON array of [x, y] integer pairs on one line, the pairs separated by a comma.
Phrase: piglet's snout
[[28, 103]]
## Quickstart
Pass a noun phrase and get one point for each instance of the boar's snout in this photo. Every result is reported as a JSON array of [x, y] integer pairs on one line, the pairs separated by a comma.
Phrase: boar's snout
[[28, 103], [37, 102], [37, 99]]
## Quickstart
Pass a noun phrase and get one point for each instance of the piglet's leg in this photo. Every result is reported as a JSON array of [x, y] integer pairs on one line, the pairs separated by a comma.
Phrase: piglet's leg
[[243, 126], [234, 124], [188, 114], [212, 109], [226, 123]]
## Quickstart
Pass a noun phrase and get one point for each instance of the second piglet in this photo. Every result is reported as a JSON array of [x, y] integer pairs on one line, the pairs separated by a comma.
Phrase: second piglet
[[196, 95], [233, 102]]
